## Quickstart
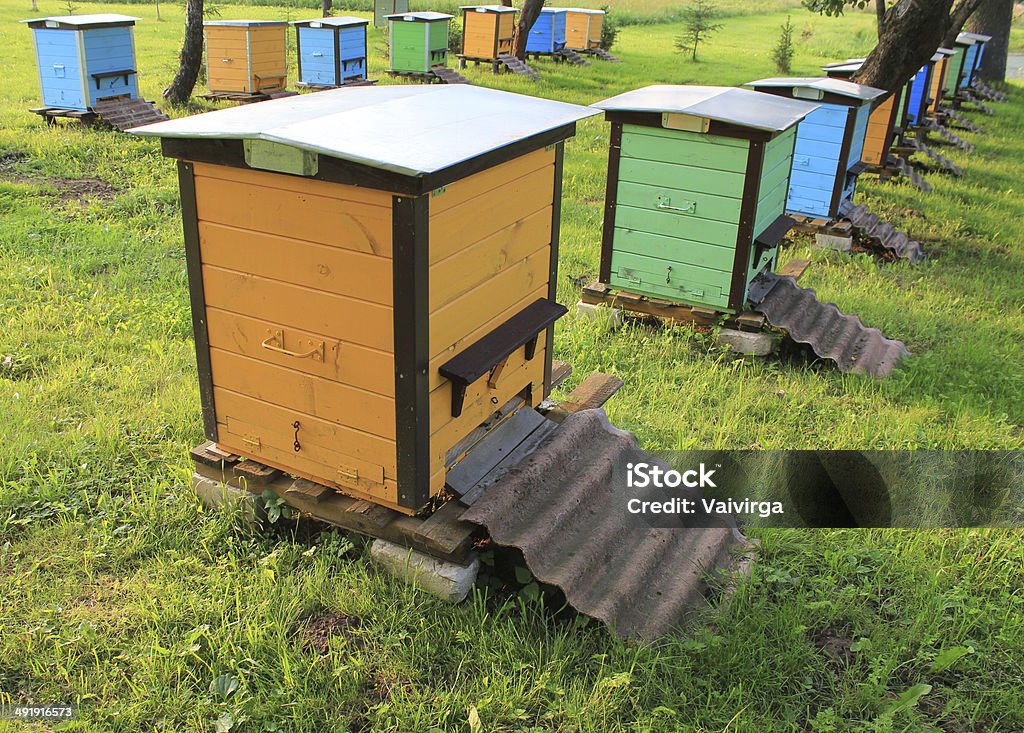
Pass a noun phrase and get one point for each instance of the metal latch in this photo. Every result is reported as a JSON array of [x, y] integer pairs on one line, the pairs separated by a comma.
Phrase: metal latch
[[688, 207]]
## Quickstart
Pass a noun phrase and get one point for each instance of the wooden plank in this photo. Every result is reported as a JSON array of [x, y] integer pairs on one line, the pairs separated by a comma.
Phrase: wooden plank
[[592, 392], [366, 324], [460, 448], [495, 178], [309, 489], [598, 293], [445, 533], [490, 451], [518, 454], [560, 371]]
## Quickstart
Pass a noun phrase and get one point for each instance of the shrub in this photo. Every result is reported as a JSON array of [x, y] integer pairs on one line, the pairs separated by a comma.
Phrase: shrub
[[782, 54]]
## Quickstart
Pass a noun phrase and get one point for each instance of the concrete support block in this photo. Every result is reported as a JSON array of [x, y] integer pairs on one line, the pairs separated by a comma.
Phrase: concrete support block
[[756, 343], [840, 242], [446, 580], [599, 312], [218, 495]]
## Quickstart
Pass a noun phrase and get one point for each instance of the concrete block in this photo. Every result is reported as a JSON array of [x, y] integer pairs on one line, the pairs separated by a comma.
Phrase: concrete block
[[840, 242], [446, 580], [218, 495], [599, 312], [755, 343]]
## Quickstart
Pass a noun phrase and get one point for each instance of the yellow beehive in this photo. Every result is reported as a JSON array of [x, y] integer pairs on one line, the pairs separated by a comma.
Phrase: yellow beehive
[[583, 29], [246, 56], [939, 71], [487, 31], [363, 301]]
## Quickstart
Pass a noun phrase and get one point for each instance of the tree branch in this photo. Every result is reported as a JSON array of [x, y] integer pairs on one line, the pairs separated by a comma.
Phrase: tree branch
[[964, 10], [880, 15]]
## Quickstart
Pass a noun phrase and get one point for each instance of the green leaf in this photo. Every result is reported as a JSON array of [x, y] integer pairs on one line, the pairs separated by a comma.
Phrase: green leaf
[[909, 698], [223, 685], [530, 591], [863, 644], [948, 657], [523, 575], [475, 724], [224, 723]]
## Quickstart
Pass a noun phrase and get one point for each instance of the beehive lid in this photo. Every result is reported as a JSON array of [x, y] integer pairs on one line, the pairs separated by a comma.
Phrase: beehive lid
[[338, 22], [554, 11], [82, 21], [849, 66], [945, 51], [488, 8], [967, 39], [244, 23], [824, 85], [938, 56], [725, 104], [978, 37], [588, 11], [424, 15], [406, 129]]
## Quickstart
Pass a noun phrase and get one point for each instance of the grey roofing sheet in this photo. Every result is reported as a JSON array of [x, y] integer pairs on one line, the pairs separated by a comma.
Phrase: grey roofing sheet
[[588, 11], [977, 36], [968, 39], [725, 104], [421, 15], [85, 19], [560, 508], [408, 129], [244, 23], [850, 65], [945, 51], [338, 21], [489, 8], [937, 56], [554, 10], [823, 83]]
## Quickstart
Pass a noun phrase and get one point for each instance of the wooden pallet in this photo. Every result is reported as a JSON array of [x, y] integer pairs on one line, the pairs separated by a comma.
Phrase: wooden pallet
[[441, 534], [815, 225], [449, 76], [598, 293], [243, 98], [354, 82], [52, 114], [123, 113], [511, 63]]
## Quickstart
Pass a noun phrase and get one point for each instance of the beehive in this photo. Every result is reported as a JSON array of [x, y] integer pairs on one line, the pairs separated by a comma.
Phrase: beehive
[[362, 302], [956, 64], [383, 8], [419, 41], [938, 81], [829, 142], [487, 31], [973, 57], [697, 181], [246, 56], [882, 121], [583, 28], [331, 51], [920, 84], [548, 33], [82, 59]]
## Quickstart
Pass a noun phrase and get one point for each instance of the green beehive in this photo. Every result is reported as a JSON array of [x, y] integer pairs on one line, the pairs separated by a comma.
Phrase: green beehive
[[419, 41], [697, 185]]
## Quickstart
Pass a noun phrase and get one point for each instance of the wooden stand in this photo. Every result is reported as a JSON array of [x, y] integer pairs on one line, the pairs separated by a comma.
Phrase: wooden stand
[[51, 114], [598, 293], [323, 87], [243, 98], [441, 534]]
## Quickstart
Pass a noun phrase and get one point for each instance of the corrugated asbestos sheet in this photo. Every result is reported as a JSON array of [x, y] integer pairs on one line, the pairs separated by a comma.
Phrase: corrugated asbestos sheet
[[951, 137], [945, 163], [558, 507], [844, 339], [884, 234], [903, 166]]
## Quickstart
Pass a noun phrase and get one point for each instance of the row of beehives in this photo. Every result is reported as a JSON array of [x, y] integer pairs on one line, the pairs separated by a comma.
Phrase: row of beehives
[[87, 58], [364, 302]]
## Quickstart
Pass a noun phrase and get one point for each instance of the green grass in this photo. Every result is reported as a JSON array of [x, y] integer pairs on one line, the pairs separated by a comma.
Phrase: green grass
[[119, 593]]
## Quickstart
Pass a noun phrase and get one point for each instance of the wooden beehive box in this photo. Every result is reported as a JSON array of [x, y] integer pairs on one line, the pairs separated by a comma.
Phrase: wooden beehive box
[[246, 56], [82, 59], [487, 31], [418, 41], [331, 51], [956, 65], [917, 99], [383, 8], [937, 87], [548, 33], [583, 28], [829, 143], [362, 302], [697, 181], [881, 130]]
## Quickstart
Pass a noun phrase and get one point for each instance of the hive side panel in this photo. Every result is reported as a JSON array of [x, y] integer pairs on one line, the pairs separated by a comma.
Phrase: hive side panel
[[970, 58], [506, 31], [478, 34], [60, 69], [316, 53], [857, 141], [595, 30], [109, 49], [267, 57], [407, 46], [576, 31], [774, 184], [299, 326], [879, 130], [227, 59], [819, 145], [956, 63]]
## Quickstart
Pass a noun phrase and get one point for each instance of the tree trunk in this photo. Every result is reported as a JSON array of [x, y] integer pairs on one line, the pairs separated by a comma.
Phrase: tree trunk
[[325, 7], [880, 16], [191, 55], [527, 17], [993, 18]]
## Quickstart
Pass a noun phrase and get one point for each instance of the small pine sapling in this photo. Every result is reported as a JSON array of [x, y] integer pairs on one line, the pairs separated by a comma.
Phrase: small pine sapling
[[782, 54], [699, 23]]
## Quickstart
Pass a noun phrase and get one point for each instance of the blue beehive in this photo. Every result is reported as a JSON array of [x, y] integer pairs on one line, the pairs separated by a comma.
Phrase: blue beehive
[[973, 57], [85, 58], [548, 33], [829, 141], [920, 84], [331, 51]]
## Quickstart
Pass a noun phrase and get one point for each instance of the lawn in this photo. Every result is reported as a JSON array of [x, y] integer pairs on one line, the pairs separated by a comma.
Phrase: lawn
[[120, 594]]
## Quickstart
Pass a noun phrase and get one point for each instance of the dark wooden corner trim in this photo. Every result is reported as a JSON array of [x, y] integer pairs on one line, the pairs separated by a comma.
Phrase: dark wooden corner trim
[[745, 237], [844, 162], [611, 191], [410, 230], [197, 297], [556, 231]]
